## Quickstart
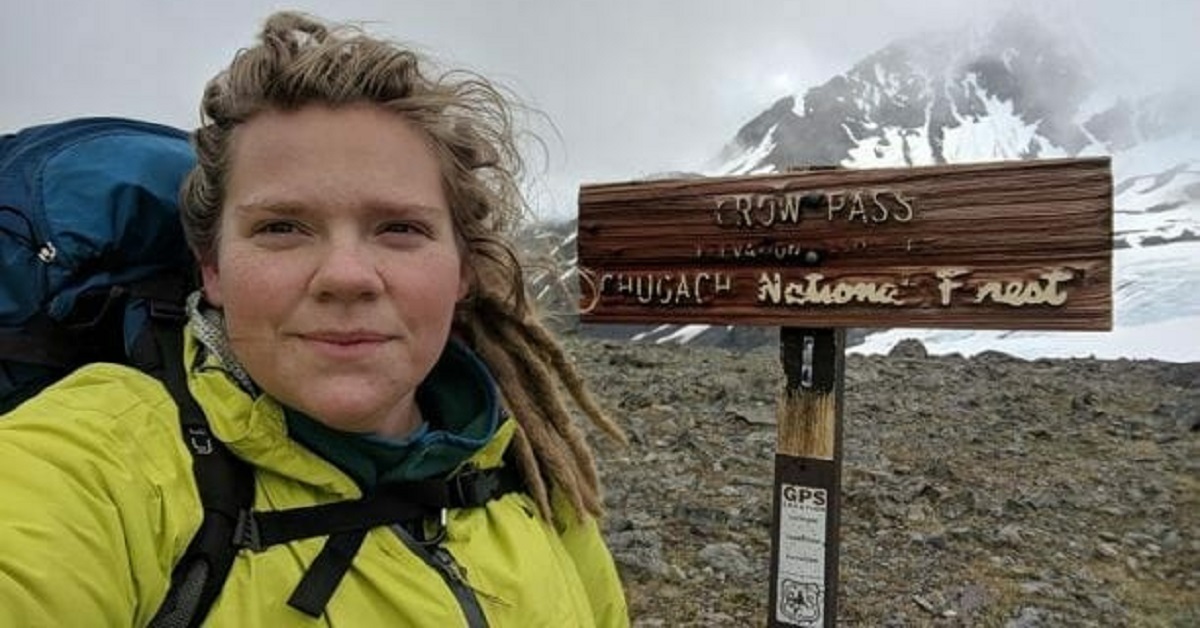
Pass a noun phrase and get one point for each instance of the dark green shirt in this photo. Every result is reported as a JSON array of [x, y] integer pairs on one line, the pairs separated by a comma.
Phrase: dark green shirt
[[459, 404]]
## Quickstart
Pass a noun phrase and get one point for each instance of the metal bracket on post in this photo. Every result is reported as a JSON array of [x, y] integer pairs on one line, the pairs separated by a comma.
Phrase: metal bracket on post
[[804, 539]]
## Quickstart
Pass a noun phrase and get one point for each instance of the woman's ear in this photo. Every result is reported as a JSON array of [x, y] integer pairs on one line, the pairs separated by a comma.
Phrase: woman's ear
[[465, 276], [464, 288], [210, 277]]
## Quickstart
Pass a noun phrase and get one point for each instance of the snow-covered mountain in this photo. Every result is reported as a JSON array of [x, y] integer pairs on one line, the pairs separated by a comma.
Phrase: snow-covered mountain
[[1011, 91]]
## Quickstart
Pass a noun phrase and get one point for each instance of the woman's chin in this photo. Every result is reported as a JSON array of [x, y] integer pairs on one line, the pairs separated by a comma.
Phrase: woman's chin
[[349, 413]]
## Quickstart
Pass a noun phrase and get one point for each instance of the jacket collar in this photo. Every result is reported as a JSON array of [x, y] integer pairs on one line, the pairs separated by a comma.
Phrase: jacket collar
[[255, 428]]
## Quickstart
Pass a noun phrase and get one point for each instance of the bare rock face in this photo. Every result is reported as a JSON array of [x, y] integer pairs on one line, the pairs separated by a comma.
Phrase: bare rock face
[[989, 491], [909, 348]]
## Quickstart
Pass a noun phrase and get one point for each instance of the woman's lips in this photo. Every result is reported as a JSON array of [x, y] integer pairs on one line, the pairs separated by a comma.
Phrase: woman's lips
[[344, 345], [345, 338]]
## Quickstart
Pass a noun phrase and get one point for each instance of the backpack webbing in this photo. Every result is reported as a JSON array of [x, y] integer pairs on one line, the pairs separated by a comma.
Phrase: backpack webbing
[[226, 486]]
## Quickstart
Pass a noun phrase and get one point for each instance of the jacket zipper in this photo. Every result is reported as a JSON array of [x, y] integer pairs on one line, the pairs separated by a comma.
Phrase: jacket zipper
[[443, 562]]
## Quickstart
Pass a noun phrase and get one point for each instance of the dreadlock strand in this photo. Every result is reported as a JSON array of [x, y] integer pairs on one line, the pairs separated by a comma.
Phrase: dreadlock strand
[[547, 444], [528, 463], [516, 334], [539, 467], [540, 338], [540, 396], [537, 374]]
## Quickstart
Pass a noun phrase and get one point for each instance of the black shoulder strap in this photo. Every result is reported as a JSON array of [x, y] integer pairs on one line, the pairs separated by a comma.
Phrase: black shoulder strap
[[346, 524], [401, 502], [40, 342], [226, 486]]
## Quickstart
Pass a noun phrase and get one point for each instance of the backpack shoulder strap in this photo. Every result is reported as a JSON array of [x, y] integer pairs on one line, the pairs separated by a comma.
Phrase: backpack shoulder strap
[[226, 486]]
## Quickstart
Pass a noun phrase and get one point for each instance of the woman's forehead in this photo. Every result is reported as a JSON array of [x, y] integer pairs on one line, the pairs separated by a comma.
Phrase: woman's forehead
[[365, 155]]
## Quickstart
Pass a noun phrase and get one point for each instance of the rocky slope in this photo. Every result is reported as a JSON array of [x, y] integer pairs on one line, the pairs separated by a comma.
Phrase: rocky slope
[[982, 492]]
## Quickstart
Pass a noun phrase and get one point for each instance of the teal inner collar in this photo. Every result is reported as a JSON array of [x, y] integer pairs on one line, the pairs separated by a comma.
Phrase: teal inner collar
[[461, 411]]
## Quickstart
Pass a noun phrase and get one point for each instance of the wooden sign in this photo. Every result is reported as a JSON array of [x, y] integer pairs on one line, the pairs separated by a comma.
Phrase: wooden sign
[[1021, 244], [1013, 245]]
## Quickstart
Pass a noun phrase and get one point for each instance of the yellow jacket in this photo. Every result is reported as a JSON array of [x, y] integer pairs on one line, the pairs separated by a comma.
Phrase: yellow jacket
[[98, 502]]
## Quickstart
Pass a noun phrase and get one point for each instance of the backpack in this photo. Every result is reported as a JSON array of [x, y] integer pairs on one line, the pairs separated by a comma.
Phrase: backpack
[[95, 267], [87, 216]]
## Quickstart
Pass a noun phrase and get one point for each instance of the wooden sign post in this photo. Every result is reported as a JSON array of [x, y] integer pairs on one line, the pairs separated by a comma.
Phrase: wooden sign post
[[1012, 245]]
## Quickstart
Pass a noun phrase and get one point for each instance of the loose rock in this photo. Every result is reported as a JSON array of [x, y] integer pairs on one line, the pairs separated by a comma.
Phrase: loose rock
[[1004, 492]]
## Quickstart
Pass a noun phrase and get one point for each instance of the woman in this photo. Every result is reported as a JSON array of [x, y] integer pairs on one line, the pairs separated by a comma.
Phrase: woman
[[362, 322]]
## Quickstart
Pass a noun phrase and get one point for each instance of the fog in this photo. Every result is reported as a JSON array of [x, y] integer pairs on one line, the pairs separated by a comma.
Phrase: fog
[[626, 88]]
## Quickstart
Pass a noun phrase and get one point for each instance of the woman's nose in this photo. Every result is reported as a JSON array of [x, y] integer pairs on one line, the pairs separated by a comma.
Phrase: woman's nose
[[347, 272]]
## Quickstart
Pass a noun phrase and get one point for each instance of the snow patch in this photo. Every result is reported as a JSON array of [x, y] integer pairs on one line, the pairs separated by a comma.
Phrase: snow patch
[[999, 134], [646, 334], [1176, 340], [747, 161], [683, 335]]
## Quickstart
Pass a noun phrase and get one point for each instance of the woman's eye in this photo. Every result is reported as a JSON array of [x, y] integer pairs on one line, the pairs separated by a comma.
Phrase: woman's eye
[[277, 227], [402, 227]]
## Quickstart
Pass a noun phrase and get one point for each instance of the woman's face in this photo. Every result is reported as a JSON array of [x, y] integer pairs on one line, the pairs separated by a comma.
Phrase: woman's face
[[337, 264]]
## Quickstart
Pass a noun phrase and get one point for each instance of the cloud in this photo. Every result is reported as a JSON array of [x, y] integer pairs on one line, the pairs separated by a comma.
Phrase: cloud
[[631, 87]]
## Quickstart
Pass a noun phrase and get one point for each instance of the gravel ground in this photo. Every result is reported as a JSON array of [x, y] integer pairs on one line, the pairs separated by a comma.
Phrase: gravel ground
[[989, 491]]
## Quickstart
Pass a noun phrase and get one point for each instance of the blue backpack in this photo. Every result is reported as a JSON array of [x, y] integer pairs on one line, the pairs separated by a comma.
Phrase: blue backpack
[[90, 243], [94, 267]]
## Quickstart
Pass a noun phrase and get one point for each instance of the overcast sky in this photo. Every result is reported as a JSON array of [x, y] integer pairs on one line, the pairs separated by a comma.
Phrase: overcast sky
[[632, 87]]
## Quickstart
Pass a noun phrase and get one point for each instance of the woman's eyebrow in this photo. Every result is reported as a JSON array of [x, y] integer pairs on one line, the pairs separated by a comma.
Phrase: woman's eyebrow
[[404, 209], [270, 206], [378, 208]]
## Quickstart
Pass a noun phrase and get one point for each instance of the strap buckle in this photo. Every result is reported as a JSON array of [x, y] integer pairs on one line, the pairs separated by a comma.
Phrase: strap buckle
[[161, 310], [246, 533], [473, 487], [439, 534]]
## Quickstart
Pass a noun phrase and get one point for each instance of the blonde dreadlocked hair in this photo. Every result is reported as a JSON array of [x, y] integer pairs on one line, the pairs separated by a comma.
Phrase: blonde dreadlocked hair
[[300, 61]]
